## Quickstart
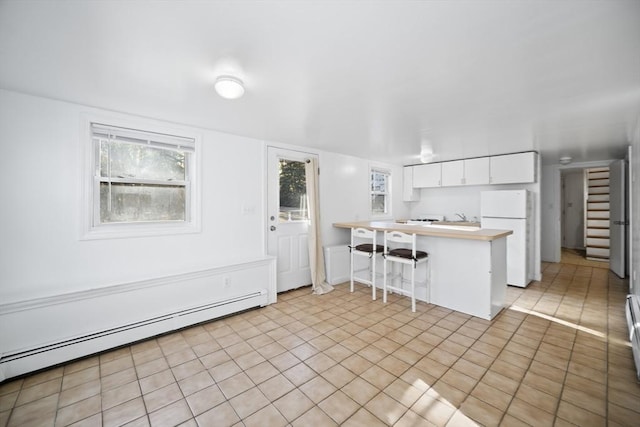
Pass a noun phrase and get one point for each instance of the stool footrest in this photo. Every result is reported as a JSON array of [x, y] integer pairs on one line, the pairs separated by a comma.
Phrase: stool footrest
[[397, 290]]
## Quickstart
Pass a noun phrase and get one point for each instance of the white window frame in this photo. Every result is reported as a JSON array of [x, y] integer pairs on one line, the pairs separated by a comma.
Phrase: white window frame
[[91, 228], [387, 193]]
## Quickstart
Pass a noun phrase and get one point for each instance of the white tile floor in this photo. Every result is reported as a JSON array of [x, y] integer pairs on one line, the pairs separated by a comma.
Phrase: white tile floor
[[556, 356]]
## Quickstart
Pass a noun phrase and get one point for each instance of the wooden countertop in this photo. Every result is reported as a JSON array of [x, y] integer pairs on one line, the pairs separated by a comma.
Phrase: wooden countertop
[[485, 234]]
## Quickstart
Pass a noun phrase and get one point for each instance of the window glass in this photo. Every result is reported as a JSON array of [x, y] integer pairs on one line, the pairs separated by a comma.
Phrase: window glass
[[379, 192], [293, 191], [140, 176], [122, 159], [123, 202], [378, 204]]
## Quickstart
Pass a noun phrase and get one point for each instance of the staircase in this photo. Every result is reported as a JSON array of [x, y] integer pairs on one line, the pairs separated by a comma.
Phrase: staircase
[[597, 214]]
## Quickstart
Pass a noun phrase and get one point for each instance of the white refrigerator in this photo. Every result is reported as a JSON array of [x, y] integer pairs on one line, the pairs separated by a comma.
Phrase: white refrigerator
[[510, 210]]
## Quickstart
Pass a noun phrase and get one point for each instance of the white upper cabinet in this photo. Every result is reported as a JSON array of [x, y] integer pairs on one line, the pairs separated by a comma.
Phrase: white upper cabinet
[[476, 171], [503, 169], [409, 193], [428, 175], [453, 173], [466, 172], [513, 168]]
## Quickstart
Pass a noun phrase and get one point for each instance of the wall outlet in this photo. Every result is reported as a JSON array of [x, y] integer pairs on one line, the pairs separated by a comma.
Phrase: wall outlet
[[225, 281]]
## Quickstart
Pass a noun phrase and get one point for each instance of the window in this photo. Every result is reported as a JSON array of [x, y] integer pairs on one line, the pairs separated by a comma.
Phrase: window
[[293, 191], [142, 181], [380, 196]]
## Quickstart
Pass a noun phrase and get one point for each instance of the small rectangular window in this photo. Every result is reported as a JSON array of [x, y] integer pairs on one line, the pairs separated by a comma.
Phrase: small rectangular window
[[141, 178], [293, 191], [380, 192]]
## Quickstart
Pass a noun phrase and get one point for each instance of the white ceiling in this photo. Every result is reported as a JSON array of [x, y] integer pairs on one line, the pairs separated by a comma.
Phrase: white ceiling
[[385, 80]]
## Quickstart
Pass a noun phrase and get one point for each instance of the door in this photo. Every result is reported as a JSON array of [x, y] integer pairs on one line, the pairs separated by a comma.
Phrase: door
[[617, 220], [630, 220], [573, 210], [288, 217]]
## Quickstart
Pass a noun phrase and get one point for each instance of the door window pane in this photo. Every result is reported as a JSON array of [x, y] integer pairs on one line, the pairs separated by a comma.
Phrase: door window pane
[[293, 191]]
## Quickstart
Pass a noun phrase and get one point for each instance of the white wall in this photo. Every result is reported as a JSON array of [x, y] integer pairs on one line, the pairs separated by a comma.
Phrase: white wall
[[550, 231], [345, 190], [42, 169]]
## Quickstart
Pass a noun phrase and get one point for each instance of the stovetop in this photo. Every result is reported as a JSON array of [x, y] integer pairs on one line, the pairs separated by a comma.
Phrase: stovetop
[[426, 219]]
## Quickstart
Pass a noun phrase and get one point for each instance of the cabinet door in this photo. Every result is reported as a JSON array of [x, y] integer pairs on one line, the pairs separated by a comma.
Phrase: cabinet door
[[513, 168], [476, 171], [453, 173], [428, 175], [409, 194]]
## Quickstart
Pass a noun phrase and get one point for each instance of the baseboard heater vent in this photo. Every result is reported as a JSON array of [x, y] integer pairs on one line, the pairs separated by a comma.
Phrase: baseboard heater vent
[[27, 360], [19, 355], [633, 321]]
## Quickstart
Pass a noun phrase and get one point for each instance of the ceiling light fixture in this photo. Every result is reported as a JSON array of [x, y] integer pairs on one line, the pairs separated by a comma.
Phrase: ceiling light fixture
[[565, 160], [229, 87]]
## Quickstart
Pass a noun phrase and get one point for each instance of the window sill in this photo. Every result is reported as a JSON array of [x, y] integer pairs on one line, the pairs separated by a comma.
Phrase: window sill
[[124, 231]]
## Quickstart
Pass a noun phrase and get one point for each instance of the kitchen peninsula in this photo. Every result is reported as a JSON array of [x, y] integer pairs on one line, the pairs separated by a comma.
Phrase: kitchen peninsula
[[466, 269]]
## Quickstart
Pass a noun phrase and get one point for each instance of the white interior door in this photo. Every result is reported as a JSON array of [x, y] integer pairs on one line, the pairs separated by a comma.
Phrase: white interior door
[[288, 221], [617, 221], [630, 248], [573, 210]]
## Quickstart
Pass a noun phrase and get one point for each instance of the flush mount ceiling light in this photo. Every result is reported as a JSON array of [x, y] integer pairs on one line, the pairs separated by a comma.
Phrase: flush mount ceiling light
[[565, 160], [229, 87]]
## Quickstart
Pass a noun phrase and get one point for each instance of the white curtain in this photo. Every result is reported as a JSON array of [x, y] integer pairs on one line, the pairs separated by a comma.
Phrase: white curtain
[[316, 255]]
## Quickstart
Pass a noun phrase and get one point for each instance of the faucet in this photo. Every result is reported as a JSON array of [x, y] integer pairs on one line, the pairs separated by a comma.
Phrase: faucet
[[463, 217]]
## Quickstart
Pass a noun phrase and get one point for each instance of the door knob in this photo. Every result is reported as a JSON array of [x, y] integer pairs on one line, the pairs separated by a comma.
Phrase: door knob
[[272, 228]]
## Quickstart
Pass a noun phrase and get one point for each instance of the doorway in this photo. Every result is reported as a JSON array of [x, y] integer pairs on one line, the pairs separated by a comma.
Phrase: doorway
[[288, 217], [572, 199], [584, 200]]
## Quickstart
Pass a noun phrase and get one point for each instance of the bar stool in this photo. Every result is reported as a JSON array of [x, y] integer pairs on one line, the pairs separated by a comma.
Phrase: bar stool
[[404, 256], [369, 249]]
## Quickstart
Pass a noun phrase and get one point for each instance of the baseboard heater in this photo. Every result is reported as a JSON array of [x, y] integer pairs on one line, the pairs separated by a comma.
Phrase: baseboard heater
[[97, 335], [633, 321], [27, 360], [43, 332]]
